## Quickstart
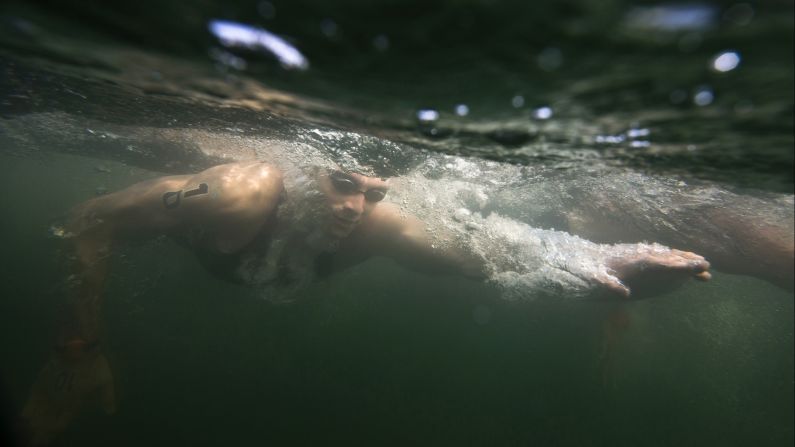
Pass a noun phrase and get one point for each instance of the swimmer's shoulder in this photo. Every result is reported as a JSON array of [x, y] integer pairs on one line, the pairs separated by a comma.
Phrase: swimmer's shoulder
[[238, 187], [236, 200], [385, 217]]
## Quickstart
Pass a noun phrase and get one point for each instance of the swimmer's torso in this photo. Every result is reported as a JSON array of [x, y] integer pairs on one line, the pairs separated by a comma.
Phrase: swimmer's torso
[[273, 257]]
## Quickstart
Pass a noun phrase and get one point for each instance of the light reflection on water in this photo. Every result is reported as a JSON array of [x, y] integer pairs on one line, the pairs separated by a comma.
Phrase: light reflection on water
[[672, 17], [523, 117], [726, 61], [232, 34]]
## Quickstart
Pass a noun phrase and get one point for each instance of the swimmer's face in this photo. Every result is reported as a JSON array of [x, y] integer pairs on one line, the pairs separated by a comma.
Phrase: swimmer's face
[[350, 197]]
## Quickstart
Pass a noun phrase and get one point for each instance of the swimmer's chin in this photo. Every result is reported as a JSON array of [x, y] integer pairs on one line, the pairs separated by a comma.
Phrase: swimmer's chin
[[341, 229], [340, 233]]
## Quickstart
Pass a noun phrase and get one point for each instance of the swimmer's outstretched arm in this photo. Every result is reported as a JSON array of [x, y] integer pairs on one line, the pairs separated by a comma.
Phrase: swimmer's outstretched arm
[[388, 231], [230, 202], [589, 269]]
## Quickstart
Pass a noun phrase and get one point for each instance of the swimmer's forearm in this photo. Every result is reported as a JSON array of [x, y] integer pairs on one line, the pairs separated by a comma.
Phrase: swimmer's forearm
[[441, 255], [465, 264], [447, 264], [81, 310]]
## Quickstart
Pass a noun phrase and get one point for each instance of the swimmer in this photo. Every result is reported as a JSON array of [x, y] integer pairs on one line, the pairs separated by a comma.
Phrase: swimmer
[[251, 222]]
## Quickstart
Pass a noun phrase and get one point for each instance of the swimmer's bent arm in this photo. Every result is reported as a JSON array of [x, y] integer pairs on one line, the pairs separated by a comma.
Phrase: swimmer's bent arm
[[230, 202]]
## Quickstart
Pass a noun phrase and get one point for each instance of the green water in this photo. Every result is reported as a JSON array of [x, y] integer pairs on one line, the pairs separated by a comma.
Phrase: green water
[[379, 355], [98, 97]]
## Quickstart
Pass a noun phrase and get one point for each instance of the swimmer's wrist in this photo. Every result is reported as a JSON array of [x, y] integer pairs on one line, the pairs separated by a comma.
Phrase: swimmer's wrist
[[77, 347]]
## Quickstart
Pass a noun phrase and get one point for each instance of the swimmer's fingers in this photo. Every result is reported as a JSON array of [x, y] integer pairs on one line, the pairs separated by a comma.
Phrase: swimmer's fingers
[[697, 262], [64, 389], [703, 276], [43, 419], [613, 285], [679, 261], [675, 261], [649, 273]]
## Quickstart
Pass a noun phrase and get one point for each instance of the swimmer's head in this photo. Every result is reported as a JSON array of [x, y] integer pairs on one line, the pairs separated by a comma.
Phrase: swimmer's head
[[351, 180], [350, 196]]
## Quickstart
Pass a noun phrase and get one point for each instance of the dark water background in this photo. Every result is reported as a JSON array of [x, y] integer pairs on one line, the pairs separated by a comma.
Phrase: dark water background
[[378, 355]]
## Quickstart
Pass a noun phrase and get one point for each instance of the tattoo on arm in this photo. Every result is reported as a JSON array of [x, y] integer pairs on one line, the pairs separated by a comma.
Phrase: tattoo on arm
[[202, 189], [171, 199]]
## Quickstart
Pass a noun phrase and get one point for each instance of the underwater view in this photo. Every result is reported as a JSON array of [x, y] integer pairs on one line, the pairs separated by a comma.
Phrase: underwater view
[[397, 222]]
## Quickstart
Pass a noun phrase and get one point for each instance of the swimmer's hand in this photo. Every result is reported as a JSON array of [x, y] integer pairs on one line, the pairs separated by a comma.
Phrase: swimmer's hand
[[650, 269], [67, 385]]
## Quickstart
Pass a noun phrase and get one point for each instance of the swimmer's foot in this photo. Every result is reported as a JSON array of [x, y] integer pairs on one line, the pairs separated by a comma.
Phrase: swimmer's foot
[[650, 270]]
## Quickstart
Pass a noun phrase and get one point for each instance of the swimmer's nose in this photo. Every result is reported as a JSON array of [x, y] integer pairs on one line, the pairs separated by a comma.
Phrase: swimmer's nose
[[354, 205]]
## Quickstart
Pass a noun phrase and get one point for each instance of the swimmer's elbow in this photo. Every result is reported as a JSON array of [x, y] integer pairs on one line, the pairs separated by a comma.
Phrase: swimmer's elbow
[[271, 177]]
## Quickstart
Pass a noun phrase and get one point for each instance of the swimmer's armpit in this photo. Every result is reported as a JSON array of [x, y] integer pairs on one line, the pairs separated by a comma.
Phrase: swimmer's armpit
[[172, 199]]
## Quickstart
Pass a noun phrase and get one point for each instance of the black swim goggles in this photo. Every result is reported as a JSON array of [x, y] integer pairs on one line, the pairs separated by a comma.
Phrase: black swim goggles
[[345, 184]]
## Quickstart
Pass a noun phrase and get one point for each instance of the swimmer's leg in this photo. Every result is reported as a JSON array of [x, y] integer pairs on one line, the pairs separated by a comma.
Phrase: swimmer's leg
[[740, 235]]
